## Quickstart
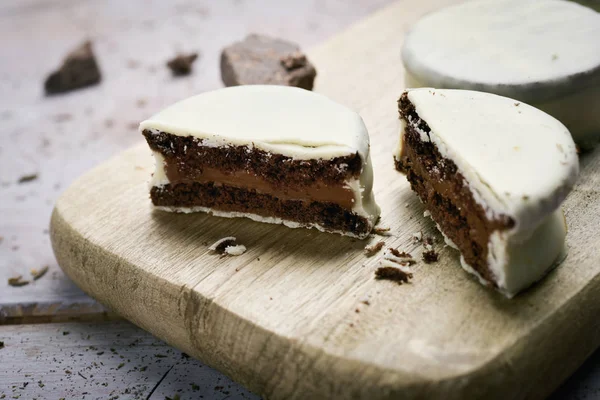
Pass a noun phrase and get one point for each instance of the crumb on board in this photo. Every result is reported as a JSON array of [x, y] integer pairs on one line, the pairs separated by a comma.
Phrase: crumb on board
[[389, 272], [399, 257], [417, 236], [181, 64], [28, 178], [38, 274], [382, 231], [392, 272], [17, 281], [1, 344], [228, 246], [430, 256], [398, 253], [373, 249]]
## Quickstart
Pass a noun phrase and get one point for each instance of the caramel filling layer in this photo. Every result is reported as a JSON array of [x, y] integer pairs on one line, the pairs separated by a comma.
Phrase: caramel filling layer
[[319, 191]]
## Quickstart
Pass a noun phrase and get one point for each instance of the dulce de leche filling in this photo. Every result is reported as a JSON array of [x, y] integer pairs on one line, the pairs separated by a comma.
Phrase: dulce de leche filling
[[319, 191]]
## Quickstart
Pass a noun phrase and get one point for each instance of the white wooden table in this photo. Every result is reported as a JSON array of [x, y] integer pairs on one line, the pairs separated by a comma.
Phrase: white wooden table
[[59, 343]]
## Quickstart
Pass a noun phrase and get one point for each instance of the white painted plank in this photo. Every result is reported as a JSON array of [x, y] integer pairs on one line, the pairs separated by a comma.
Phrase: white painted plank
[[102, 361]]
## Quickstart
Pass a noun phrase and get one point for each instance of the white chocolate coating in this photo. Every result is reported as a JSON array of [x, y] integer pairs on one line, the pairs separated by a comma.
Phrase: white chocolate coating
[[282, 120], [543, 52], [518, 161]]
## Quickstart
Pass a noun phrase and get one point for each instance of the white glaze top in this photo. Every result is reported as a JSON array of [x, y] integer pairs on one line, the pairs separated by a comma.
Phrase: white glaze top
[[285, 120], [517, 159], [528, 49]]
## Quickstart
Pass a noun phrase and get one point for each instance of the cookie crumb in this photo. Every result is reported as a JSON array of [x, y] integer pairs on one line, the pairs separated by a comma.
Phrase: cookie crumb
[[181, 65], [228, 246], [28, 178], [430, 256], [17, 281], [417, 237], [373, 249], [293, 61], [382, 231], [398, 257], [38, 274], [394, 274]]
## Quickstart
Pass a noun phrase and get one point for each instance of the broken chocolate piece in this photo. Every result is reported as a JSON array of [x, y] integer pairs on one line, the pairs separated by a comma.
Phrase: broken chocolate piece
[[262, 60], [182, 64], [79, 70]]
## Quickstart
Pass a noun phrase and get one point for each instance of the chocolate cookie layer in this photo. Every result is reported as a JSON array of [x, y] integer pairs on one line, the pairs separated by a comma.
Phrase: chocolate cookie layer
[[445, 193], [225, 198]]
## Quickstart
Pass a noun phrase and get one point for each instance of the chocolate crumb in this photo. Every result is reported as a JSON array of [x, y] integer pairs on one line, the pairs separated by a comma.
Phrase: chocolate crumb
[[366, 302], [393, 274], [38, 274], [400, 254], [373, 249], [381, 231], [357, 311], [65, 333], [1, 344], [181, 65], [28, 178], [430, 256], [17, 281], [79, 70], [428, 240], [293, 61], [228, 246]]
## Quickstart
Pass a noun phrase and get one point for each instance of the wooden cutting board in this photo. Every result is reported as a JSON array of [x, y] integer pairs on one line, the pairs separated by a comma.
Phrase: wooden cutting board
[[299, 315]]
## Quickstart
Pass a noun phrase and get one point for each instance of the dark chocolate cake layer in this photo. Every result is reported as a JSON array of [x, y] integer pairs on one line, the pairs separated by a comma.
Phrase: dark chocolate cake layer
[[190, 157], [330, 216], [446, 194]]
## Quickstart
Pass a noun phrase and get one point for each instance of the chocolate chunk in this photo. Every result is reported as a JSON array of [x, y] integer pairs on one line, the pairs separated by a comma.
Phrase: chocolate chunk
[[393, 274], [264, 60], [182, 64], [79, 69]]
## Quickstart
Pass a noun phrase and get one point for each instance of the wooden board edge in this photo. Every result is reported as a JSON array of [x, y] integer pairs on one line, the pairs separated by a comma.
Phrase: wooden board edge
[[188, 325]]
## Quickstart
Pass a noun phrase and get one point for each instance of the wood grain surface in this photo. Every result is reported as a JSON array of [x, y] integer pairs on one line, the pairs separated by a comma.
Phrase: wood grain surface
[[300, 315]]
